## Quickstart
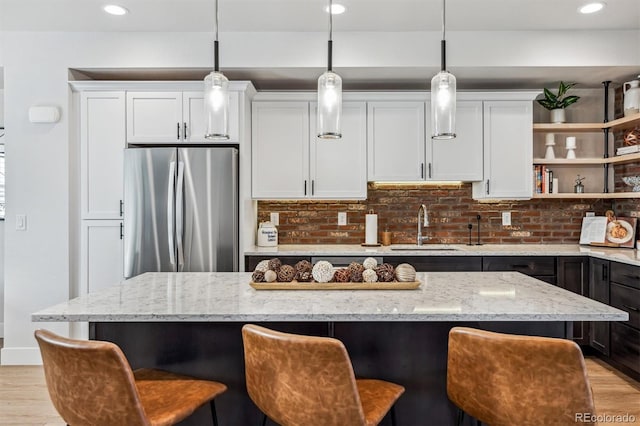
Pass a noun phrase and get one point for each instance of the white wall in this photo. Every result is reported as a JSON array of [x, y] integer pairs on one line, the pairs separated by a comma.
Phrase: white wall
[[41, 166], [1, 222]]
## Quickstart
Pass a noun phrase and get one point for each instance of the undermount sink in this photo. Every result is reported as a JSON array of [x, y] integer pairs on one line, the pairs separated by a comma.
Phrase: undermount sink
[[438, 247]]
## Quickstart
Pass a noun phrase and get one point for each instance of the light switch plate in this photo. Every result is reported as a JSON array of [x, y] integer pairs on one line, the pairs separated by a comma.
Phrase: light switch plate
[[21, 222], [275, 218], [506, 218], [342, 218]]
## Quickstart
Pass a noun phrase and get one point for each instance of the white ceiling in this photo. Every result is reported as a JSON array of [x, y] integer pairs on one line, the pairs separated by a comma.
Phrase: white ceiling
[[362, 15], [306, 15]]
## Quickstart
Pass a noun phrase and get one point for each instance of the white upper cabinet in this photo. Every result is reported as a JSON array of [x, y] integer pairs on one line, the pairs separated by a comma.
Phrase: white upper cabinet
[[102, 141], [280, 150], [338, 167], [173, 117], [396, 141], [508, 158], [459, 158], [291, 162]]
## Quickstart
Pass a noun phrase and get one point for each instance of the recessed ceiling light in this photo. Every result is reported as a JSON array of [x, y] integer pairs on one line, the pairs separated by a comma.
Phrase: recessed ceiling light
[[592, 7], [114, 9], [336, 9]]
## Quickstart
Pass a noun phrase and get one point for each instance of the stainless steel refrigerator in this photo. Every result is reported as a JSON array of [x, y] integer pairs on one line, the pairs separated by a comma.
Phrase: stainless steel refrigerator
[[180, 210]]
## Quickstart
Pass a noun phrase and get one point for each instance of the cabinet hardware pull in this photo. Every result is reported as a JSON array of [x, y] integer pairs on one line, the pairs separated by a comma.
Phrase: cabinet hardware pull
[[520, 266], [487, 186], [635, 277], [121, 230], [313, 185], [429, 170], [184, 130], [605, 273], [178, 127], [421, 170], [631, 308], [121, 208], [305, 187]]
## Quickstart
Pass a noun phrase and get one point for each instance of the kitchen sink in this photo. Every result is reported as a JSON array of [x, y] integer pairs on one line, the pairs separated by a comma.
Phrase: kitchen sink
[[435, 247]]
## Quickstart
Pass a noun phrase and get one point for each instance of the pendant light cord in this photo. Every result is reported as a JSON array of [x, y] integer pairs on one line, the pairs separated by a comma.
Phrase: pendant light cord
[[330, 49], [216, 66], [443, 43]]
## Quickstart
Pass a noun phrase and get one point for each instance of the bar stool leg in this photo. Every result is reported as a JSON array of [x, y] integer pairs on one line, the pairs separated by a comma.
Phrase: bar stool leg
[[264, 420], [460, 417], [214, 415], [393, 415]]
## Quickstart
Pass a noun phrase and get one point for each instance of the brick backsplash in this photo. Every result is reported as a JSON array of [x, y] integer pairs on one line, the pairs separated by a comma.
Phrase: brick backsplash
[[451, 209]]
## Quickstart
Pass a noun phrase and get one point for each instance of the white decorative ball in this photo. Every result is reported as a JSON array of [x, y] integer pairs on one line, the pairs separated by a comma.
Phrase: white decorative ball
[[405, 273], [262, 266], [270, 276], [369, 276], [322, 271], [370, 263]]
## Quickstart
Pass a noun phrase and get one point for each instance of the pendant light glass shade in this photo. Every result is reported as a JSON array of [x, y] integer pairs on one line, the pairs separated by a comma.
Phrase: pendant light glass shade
[[216, 100], [216, 96], [329, 93], [443, 105], [329, 105]]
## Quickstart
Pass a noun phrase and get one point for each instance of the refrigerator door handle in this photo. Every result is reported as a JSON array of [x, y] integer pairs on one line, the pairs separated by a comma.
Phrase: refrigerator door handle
[[180, 214], [170, 212]]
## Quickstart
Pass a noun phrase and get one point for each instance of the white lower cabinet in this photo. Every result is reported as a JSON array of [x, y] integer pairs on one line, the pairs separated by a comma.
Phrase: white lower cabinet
[[508, 158], [290, 162], [102, 254]]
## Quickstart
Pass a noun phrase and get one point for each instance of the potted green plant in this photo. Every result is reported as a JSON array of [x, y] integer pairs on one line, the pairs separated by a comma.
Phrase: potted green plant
[[557, 103]]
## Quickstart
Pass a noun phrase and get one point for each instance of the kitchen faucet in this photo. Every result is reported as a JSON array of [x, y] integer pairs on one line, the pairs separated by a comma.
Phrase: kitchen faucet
[[425, 221]]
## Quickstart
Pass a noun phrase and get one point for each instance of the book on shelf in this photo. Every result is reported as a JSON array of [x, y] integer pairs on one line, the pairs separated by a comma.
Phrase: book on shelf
[[628, 149], [543, 179]]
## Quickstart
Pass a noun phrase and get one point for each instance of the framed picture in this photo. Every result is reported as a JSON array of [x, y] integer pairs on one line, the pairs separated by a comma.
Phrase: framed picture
[[622, 231]]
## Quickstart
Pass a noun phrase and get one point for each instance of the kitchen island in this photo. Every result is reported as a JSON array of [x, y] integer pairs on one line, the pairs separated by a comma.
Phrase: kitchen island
[[190, 323]]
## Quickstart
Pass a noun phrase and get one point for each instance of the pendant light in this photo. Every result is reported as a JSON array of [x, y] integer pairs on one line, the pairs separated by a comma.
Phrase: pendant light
[[329, 94], [443, 95], [216, 96]]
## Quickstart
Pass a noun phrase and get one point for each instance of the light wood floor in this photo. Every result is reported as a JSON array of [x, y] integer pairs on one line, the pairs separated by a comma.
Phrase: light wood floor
[[24, 400]]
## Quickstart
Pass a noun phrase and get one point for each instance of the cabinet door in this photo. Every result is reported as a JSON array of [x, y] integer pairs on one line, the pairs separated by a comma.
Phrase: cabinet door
[[154, 117], [102, 254], [395, 141], [194, 124], [280, 150], [102, 141], [599, 290], [459, 158], [573, 275], [338, 167], [508, 157]]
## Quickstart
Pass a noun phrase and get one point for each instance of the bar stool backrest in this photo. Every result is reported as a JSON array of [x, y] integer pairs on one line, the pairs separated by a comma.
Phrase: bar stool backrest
[[90, 382], [300, 380], [503, 379]]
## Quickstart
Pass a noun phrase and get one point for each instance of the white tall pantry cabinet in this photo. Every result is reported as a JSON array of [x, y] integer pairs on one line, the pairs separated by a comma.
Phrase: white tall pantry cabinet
[[102, 141]]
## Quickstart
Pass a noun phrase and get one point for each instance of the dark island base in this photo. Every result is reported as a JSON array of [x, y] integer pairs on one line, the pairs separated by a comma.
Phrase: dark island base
[[412, 354]]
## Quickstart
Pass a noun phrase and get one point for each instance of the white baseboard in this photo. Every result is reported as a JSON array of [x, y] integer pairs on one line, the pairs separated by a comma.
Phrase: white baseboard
[[1, 330], [20, 356]]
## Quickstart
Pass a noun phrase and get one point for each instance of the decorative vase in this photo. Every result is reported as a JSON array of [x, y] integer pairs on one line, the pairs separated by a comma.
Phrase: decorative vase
[[550, 143], [571, 146], [557, 115]]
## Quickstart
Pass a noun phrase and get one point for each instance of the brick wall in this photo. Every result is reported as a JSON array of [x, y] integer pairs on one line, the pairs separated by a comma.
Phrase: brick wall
[[450, 208]]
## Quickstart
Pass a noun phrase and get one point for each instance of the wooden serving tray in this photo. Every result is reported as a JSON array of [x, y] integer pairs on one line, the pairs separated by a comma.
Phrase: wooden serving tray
[[295, 285]]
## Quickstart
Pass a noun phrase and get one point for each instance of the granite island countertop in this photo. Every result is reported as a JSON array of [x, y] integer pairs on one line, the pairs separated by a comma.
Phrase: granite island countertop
[[623, 255], [227, 296]]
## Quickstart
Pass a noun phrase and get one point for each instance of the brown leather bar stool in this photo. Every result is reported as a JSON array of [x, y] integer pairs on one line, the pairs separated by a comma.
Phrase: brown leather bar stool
[[503, 380], [305, 380], [91, 383]]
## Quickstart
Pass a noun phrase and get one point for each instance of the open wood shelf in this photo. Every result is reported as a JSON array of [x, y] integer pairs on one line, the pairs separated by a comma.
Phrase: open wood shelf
[[620, 159], [615, 125], [589, 195]]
